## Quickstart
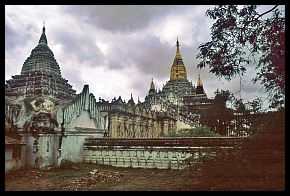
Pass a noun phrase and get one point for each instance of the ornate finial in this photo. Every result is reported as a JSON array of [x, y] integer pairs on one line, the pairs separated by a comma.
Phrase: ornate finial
[[138, 100], [199, 82], [43, 39], [177, 49], [131, 96], [152, 86], [43, 29], [217, 91]]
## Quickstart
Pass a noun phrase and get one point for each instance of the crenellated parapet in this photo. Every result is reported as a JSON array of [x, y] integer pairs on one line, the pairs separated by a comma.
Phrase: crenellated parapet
[[82, 114]]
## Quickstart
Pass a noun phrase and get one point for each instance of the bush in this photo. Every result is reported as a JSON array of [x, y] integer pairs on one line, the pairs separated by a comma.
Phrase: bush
[[202, 131]]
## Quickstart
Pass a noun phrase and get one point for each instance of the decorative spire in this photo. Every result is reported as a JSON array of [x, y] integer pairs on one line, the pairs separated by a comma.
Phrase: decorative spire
[[199, 87], [199, 82], [178, 70], [43, 39], [131, 101], [152, 86], [177, 49]]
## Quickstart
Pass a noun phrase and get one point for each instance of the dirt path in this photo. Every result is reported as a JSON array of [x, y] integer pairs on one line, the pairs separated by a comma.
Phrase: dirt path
[[99, 178]]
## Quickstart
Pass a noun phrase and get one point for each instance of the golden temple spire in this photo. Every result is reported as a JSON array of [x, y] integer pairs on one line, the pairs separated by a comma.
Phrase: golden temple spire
[[199, 82], [178, 70]]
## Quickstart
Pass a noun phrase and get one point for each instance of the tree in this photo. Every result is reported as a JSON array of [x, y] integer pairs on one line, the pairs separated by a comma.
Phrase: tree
[[255, 106], [256, 117], [239, 33], [217, 116]]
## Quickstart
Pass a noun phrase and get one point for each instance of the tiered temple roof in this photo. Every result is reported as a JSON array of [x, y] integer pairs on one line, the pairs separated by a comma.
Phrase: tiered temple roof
[[40, 75], [178, 83]]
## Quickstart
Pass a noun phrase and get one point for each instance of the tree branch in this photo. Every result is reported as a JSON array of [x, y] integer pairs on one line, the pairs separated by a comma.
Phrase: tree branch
[[267, 11], [260, 15]]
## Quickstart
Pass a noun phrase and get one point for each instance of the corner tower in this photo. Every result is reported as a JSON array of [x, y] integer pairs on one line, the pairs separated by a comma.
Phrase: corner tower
[[199, 87]]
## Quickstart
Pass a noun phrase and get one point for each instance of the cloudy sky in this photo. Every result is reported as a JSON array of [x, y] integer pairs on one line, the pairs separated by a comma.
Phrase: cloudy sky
[[117, 49]]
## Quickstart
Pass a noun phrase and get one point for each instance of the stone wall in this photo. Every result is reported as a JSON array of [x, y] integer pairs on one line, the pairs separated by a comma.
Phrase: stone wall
[[154, 153], [11, 162], [134, 125], [137, 157], [72, 145], [43, 150]]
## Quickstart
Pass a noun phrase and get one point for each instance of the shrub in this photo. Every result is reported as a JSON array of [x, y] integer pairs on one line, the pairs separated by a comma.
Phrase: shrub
[[201, 131]]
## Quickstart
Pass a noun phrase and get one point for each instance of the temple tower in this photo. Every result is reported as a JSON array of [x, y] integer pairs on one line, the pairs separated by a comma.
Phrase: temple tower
[[178, 85], [199, 87], [178, 70], [38, 92], [40, 76]]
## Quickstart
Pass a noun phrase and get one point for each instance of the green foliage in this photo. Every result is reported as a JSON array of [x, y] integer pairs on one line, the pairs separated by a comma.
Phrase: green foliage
[[201, 131], [238, 36], [255, 106], [222, 97], [218, 116]]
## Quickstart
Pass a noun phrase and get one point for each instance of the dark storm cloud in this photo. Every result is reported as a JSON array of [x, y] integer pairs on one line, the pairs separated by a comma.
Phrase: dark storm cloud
[[154, 58], [122, 17], [147, 54]]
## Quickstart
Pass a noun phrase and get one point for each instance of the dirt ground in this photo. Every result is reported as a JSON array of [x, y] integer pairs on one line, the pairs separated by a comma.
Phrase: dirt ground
[[91, 177], [99, 178]]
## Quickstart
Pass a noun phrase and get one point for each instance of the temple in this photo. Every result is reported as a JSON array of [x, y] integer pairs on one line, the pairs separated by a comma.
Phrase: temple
[[45, 114], [179, 95]]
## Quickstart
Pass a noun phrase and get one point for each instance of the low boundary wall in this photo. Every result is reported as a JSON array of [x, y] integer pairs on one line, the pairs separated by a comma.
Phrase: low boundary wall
[[162, 153]]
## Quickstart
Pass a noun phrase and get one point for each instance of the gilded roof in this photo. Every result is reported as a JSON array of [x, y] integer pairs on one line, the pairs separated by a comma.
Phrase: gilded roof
[[178, 70]]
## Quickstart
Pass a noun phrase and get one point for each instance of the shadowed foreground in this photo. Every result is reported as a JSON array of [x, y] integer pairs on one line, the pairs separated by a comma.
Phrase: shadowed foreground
[[94, 177], [259, 165]]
